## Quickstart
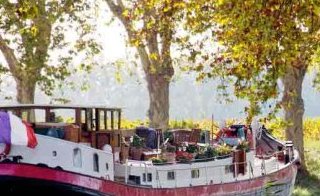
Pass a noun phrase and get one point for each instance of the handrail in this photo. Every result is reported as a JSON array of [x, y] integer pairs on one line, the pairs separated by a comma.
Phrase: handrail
[[265, 166], [221, 167], [267, 156], [212, 159]]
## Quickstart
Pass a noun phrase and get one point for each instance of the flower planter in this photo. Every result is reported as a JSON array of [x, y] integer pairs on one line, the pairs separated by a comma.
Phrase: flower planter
[[169, 156], [239, 160], [223, 156], [183, 157], [124, 153], [136, 153]]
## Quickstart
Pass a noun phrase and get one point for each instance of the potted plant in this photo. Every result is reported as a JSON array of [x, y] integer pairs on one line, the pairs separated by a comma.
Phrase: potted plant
[[211, 153], [169, 153], [201, 154], [192, 149], [239, 157], [184, 157], [158, 160], [243, 145], [124, 152], [223, 151], [137, 147]]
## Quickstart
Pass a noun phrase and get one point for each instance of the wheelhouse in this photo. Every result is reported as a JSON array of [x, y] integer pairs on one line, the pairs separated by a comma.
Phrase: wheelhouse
[[93, 125]]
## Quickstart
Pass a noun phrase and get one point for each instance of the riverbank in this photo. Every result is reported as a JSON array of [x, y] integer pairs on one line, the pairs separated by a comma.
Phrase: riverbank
[[309, 184]]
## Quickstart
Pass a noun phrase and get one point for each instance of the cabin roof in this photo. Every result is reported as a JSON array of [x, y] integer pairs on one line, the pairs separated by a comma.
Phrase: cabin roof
[[51, 106]]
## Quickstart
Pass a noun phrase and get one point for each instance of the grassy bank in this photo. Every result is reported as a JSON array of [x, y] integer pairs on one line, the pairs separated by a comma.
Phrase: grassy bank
[[309, 184]]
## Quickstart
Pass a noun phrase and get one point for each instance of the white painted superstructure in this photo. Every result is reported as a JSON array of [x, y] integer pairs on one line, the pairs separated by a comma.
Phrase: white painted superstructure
[[65, 155]]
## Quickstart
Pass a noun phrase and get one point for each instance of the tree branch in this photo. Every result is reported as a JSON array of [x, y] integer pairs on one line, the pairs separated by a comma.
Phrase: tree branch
[[117, 10], [166, 38], [9, 56], [11, 13], [151, 33], [66, 8]]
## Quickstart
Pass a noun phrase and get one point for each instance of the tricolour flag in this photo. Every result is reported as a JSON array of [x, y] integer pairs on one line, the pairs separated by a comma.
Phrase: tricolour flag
[[16, 132]]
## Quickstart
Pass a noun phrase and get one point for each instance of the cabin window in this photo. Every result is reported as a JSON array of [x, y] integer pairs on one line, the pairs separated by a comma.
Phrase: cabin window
[[107, 166], [195, 173], [24, 115], [83, 116], [40, 115], [89, 119], [54, 153], [77, 159], [95, 162], [171, 175], [149, 177], [228, 169], [134, 179]]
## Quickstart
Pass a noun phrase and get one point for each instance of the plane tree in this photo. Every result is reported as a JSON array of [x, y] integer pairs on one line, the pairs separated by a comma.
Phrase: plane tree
[[33, 31], [152, 27], [259, 44]]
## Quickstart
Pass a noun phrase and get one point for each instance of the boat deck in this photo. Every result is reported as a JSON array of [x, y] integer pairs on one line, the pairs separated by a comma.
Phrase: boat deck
[[144, 173]]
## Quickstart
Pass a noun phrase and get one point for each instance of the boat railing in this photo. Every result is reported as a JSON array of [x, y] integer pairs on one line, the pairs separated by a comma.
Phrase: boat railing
[[268, 156], [193, 160], [220, 169], [266, 166], [210, 173]]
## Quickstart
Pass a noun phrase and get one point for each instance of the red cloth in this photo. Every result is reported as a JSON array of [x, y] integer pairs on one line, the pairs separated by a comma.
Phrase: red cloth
[[250, 139], [32, 139]]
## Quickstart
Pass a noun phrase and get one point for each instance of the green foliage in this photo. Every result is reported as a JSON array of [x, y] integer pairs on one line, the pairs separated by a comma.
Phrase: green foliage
[[307, 184], [168, 134], [276, 126], [200, 155], [192, 149], [223, 150], [151, 27], [158, 161], [243, 145], [33, 30], [311, 128], [131, 124], [137, 142], [171, 148], [154, 27], [255, 52], [211, 152], [59, 119]]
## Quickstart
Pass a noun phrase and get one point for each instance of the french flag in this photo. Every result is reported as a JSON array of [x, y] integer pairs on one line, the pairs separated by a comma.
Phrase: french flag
[[15, 131]]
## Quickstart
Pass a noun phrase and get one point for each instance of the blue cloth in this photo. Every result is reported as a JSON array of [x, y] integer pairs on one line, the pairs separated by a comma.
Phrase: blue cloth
[[230, 141], [149, 135], [241, 134]]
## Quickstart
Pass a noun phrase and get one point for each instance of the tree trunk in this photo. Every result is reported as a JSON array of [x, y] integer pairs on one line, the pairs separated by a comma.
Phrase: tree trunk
[[25, 95], [294, 107], [156, 62], [158, 88]]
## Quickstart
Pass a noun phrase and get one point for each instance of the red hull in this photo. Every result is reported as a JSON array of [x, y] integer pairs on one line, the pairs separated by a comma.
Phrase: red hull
[[256, 185]]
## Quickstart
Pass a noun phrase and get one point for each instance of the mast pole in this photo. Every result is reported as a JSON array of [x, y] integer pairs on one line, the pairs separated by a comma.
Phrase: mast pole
[[212, 118]]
